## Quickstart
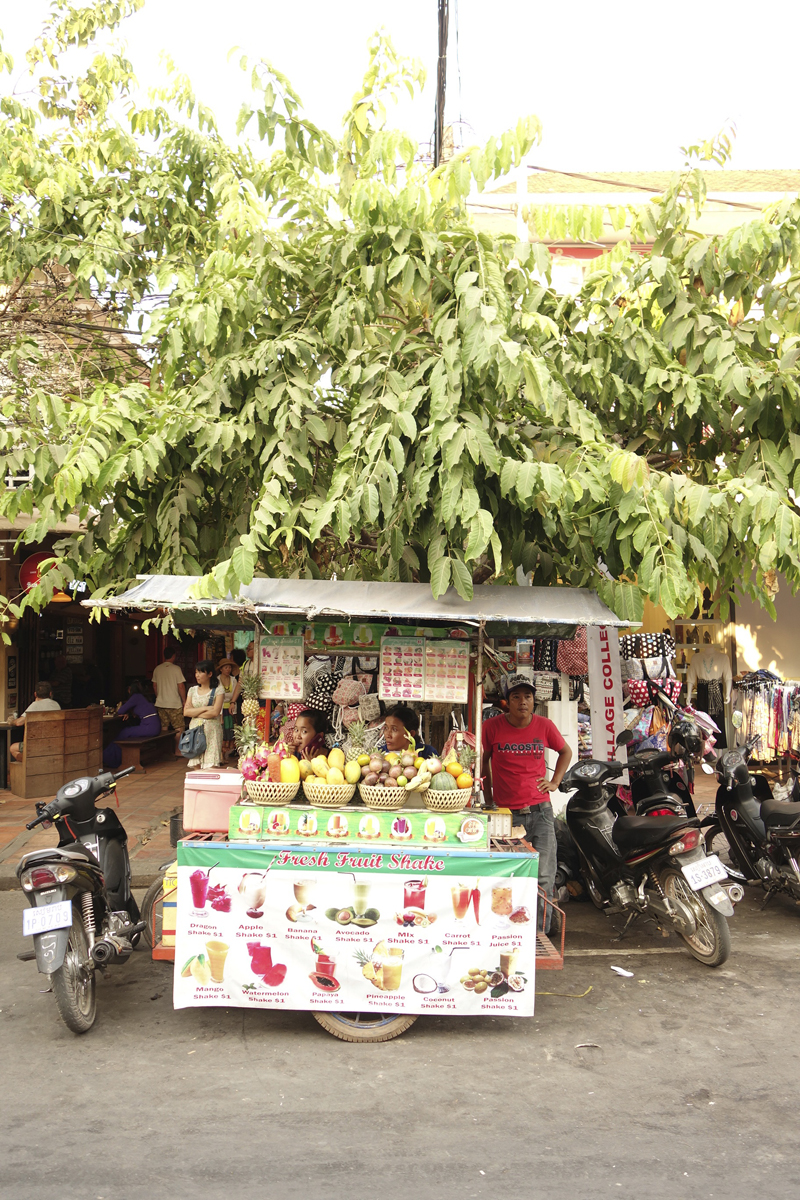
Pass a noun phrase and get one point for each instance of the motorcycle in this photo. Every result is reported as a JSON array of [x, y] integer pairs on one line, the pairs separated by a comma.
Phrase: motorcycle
[[82, 913], [647, 866], [762, 834]]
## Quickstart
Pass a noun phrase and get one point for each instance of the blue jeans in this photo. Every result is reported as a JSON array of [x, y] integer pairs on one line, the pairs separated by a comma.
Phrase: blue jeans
[[541, 833]]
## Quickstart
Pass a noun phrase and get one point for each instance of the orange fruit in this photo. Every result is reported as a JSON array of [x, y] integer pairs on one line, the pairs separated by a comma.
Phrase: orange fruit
[[464, 780], [454, 769]]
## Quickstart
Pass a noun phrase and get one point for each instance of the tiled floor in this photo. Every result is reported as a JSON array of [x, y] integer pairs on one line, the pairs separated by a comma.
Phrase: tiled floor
[[145, 805]]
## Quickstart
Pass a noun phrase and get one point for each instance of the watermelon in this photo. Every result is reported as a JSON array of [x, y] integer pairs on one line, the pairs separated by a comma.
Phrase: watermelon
[[443, 782]]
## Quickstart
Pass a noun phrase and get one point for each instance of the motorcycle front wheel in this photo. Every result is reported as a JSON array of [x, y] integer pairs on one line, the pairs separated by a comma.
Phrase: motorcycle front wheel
[[711, 941], [74, 983]]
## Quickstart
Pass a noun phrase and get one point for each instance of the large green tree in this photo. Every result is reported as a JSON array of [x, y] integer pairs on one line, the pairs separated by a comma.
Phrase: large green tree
[[344, 375]]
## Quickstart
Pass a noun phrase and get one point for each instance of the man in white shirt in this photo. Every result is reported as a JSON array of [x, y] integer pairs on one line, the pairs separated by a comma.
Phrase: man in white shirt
[[44, 702], [169, 686]]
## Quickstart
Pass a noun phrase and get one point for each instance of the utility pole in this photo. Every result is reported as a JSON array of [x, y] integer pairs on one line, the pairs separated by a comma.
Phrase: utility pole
[[441, 81]]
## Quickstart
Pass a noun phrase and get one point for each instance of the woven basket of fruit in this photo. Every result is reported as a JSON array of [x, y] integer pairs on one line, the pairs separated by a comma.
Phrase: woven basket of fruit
[[387, 799], [263, 791], [328, 795], [449, 801]]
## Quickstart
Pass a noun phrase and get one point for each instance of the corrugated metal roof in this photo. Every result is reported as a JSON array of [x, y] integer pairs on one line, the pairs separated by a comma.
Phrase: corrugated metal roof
[[506, 608]]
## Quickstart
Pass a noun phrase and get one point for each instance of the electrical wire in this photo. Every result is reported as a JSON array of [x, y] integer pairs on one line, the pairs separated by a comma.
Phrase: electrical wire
[[632, 187]]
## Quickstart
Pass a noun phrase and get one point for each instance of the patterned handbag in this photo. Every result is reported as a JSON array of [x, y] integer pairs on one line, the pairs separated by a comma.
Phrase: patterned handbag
[[572, 656], [645, 668], [645, 691], [545, 652]]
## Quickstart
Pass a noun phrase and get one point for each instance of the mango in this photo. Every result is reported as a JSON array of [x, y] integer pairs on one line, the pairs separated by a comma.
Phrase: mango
[[305, 768], [352, 772], [334, 776], [336, 758], [290, 770], [201, 969], [319, 766]]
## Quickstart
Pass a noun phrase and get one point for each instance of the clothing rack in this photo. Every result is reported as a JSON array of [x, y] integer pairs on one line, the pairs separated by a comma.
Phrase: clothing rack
[[770, 708]]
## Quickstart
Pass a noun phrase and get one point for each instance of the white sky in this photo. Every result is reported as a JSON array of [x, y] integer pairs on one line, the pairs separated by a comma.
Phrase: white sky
[[617, 85]]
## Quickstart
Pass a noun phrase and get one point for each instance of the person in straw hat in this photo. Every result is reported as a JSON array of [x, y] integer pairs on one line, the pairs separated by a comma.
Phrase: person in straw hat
[[230, 687]]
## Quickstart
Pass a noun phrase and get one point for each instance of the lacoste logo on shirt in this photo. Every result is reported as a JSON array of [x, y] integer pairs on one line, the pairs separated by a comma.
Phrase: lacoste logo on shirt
[[522, 748]]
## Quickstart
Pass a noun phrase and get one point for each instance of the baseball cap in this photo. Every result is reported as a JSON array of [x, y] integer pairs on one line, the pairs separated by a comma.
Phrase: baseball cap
[[519, 681]]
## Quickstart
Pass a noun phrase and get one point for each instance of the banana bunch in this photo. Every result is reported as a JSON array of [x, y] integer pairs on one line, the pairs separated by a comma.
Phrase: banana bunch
[[420, 782]]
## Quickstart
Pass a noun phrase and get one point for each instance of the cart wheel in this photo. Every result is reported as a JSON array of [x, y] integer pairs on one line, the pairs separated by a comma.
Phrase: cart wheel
[[151, 911], [364, 1027]]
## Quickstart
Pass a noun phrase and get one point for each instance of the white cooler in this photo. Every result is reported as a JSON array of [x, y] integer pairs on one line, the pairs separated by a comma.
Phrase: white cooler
[[207, 799]]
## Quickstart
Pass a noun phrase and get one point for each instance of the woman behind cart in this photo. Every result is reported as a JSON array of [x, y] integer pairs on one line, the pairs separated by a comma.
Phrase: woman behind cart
[[400, 722], [204, 706]]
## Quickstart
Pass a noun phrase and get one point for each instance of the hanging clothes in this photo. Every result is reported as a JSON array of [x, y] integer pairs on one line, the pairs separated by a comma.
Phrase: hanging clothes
[[710, 700]]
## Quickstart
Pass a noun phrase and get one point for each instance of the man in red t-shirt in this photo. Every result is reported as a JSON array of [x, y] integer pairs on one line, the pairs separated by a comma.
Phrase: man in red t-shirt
[[513, 747]]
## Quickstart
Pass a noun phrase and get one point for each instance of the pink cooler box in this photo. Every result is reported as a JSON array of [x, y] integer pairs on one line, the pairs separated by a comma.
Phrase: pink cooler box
[[207, 800]]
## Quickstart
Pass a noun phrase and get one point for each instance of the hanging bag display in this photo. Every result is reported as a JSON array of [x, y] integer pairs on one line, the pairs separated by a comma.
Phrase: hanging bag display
[[572, 655]]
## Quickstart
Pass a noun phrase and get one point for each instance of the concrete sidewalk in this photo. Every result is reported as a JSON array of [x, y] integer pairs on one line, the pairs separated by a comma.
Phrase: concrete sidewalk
[[146, 803]]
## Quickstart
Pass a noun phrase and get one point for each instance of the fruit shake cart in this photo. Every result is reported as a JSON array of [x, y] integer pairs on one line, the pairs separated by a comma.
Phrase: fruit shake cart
[[370, 914]]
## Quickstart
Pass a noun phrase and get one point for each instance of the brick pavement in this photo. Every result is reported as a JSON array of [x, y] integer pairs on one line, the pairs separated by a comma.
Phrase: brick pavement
[[146, 803]]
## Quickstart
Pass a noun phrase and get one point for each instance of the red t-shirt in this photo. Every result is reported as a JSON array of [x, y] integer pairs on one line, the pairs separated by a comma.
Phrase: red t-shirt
[[517, 757]]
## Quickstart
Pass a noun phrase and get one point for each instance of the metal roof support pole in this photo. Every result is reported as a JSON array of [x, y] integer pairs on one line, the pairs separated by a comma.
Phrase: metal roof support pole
[[479, 701]]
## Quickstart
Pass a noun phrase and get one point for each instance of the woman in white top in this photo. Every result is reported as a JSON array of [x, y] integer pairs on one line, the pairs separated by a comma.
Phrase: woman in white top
[[204, 706]]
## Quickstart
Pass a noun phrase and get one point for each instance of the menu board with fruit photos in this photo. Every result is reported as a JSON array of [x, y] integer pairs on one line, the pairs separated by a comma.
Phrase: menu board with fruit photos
[[447, 671], [282, 661], [402, 675], [355, 929]]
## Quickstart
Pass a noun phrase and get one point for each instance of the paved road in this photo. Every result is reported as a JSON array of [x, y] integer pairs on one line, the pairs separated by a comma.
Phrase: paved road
[[687, 1089]]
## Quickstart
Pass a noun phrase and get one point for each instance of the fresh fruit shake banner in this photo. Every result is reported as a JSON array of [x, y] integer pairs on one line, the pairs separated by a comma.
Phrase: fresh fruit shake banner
[[358, 826], [312, 927]]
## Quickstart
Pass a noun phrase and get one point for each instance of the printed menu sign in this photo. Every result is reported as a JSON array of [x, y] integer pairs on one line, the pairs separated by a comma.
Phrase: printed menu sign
[[282, 668], [358, 826], [358, 930], [447, 671], [402, 675]]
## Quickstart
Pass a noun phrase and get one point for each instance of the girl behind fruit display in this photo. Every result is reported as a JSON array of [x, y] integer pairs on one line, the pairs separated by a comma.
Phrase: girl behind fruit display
[[400, 722], [310, 727]]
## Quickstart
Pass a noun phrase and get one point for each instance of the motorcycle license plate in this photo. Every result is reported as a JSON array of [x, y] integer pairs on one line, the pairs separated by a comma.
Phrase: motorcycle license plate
[[700, 874], [50, 916]]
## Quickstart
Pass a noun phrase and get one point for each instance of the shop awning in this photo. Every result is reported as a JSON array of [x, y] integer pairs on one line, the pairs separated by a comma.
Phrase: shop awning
[[505, 610]]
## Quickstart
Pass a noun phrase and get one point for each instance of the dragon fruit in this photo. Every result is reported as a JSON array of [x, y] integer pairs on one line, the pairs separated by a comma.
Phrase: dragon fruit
[[248, 768]]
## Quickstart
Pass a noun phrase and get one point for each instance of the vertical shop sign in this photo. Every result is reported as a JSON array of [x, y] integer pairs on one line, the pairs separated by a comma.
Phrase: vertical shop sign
[[605, 693]]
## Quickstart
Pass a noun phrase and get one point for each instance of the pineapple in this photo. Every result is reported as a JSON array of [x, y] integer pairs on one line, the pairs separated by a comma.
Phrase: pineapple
[[355, 741], [251, 686], [247, 739]]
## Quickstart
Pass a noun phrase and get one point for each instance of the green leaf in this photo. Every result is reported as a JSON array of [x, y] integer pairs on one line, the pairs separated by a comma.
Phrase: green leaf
[[440, 577], [462, 579]]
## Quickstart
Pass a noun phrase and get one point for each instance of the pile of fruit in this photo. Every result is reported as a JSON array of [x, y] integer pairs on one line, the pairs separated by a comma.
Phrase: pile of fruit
[[393, 769], [477, 980], [330, 768]]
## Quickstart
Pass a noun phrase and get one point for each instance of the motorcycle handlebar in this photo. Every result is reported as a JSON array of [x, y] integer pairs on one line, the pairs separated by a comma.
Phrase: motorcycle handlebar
[[39, 821], [122, 774]]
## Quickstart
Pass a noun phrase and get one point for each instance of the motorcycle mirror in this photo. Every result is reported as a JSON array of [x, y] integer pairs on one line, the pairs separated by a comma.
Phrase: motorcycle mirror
[[625, 737], [707, 769]]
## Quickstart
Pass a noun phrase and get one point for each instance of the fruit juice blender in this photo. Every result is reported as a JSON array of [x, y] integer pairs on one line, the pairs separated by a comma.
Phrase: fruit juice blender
[[414, 893], [461, 897], [501, 900], [199, 884], [260, 958], [217, 953], [325, 965], [361, 892], [508, 961], [253, 890], [392, 969]]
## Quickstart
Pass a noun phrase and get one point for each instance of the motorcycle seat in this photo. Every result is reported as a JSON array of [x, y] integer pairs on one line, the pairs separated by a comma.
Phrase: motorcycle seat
[[642, 833], [780, 814]]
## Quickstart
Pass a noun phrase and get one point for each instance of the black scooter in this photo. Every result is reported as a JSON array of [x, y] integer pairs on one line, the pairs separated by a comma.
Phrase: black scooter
[[82, 913], [647, 866], [763, 835]]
